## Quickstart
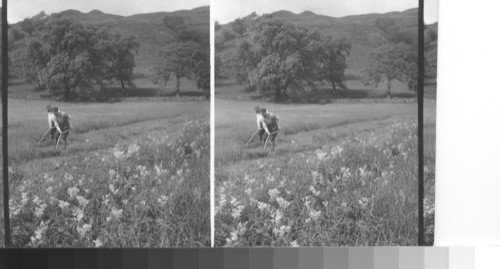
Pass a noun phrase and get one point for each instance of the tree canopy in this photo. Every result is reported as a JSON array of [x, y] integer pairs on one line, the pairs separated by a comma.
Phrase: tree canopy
[[239, 26], [182, 60], [334, 53], [430, 48], [64, 55], [393, 62], [280, 58], [120, 55]]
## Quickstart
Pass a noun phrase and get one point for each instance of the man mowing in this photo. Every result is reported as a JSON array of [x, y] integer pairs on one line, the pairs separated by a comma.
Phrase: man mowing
[[267, 124], [58, 125]]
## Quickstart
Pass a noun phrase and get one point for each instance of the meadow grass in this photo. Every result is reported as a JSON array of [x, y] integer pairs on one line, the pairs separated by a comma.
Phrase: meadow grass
[[429, 168], [342, 174], [134, 175], [355, 89]]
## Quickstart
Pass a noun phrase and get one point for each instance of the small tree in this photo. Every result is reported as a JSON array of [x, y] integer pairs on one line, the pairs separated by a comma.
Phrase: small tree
[[217, 26], [175, 23], [333, 61], [245, 64], [393, 62], [181, 30], [179, 61], [201, 72], [239, 26], [33, 24], [120, 55], [393, 31], [430, 47]]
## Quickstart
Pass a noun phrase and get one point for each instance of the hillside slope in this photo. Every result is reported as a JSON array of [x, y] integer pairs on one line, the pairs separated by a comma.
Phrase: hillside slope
[[360, 30], [147, 28]]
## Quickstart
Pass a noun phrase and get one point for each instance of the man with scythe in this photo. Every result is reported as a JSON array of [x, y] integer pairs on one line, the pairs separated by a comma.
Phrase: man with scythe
[[267, 124], [58, 125]]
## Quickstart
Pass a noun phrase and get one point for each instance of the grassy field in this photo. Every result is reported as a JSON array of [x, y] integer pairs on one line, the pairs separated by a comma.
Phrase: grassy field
[[342, 174], [144, 89], [227, 89], [135, 174], [429, 164]]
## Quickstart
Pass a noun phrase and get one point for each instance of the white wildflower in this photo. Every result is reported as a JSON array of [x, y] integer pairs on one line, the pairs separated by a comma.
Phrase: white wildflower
[[63, 204], [248, 191], [278, 216], [39, 210], [82, 201], [283, 230], [236, 213], [273, 193], [37, 200], [314, 191], [118, 153], [84, 229], [97, 243], [116, 213], [73, 191], [282, 202], [24, 198], [78, 214], [314, 215], [263, 206], [133, 149], [163, 200], [363, 202], [321, 155], [112, 189]]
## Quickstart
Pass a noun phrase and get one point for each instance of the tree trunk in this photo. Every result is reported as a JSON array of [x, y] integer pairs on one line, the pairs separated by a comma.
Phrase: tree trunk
[[335, 93], [178, 86], [124, 91], [277, 94], [67, 91], [389, 86]]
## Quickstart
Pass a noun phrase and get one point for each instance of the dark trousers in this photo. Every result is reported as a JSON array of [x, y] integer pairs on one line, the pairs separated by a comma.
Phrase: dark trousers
[[262, 134]]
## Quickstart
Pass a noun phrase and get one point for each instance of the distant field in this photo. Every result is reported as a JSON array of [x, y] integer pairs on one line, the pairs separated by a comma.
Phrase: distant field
[[144, 88], [229, 89], [135, 174], [341, 174]]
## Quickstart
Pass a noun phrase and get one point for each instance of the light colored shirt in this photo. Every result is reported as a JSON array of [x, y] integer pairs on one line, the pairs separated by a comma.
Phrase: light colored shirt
[[54, 119], [261, 121]]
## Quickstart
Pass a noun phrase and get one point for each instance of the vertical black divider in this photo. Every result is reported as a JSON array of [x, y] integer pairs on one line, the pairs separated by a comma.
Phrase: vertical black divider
[[420, 102], [5, 77]]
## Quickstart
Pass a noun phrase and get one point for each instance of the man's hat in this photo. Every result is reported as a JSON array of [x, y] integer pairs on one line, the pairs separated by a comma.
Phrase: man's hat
[[260, 110], [51, 108]]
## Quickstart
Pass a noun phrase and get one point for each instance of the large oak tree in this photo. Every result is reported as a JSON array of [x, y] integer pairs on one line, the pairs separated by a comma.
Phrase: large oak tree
[[63, 56], [279, 57]]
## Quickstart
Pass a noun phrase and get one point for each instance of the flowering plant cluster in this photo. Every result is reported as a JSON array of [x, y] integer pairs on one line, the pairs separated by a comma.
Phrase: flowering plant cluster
[[361, 191], [152, 192]]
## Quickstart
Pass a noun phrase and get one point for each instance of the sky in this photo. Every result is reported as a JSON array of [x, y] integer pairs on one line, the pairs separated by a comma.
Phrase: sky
[[20, 9], [224, 10], [227, 10]]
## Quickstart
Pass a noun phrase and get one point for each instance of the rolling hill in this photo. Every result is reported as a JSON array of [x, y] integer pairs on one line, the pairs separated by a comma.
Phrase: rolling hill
[[147, 28], [361, 30]]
